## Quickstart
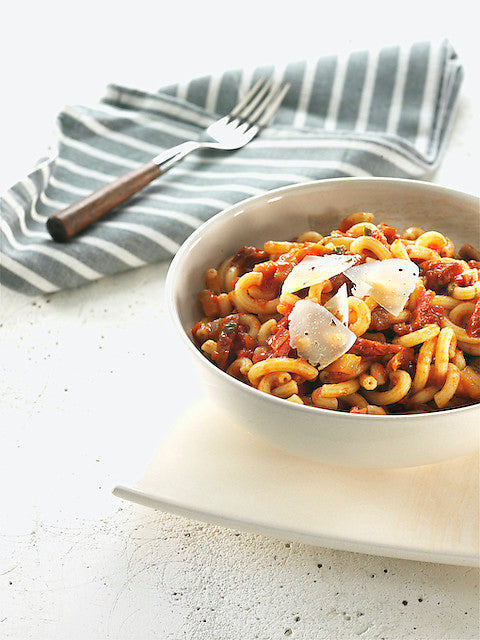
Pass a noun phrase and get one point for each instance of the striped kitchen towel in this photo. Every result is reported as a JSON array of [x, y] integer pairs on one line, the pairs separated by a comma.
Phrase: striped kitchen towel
[[382, 113]]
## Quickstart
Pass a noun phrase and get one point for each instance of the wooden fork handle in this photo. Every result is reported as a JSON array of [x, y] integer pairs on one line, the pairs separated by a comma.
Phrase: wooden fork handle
[[67, 223]]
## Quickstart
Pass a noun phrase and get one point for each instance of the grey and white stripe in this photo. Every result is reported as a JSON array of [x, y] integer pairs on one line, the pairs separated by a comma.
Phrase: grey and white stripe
[[370, 113]]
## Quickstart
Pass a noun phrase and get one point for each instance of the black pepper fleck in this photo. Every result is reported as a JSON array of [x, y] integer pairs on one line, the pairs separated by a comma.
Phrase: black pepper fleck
[[404, 602]]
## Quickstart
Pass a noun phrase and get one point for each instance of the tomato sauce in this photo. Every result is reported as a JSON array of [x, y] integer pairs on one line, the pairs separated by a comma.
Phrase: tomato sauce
[[473, 325]]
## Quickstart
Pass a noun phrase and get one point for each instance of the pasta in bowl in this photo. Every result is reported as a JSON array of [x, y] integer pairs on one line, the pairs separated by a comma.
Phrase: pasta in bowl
[[346, 322], [340, 320]]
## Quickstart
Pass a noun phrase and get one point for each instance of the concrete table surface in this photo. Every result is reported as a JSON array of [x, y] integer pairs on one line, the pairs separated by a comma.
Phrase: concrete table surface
[[78, 563]]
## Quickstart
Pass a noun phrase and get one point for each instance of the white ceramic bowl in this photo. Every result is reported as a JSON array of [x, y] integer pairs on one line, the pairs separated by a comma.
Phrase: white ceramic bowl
[[328, 436]]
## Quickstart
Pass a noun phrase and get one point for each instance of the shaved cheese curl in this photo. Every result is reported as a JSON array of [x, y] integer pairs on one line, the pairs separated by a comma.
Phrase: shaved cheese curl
[[389, 282], [317, 335], [315, 269]]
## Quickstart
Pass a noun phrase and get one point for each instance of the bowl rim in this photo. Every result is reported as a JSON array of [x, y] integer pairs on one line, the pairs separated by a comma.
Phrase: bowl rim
[[194, 237]]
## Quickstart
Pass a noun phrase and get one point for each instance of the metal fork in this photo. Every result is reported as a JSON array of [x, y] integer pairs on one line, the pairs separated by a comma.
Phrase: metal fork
[[239, 127]]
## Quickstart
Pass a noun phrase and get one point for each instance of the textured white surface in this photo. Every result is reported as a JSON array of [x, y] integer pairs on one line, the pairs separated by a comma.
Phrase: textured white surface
[[81, 372]]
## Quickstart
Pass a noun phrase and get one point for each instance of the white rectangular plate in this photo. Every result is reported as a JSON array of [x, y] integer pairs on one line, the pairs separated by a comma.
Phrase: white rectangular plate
[[209, 468]]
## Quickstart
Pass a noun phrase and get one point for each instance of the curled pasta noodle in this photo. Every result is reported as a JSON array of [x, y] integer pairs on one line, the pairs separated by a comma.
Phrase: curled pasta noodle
[[265, 331], [315, 291], [461, 312], [355, 400], [471, 382], [447, 302], [269, 381], [377, 370], [398, 250], [417, 252], [361, 313], [291, 365], [295, 398], [209, 347], [465, 293], [338, 241], [412, 233], [360, 228], [459, 360], [338, 389], [444, 349], [245, 301], [374, 410], [368, 382], [401, 382], [446, 393], [324, 403], [239, 367], [227, 274], [462, 335], [212, 281], [347, 366], [371, 303], [367, 243], [432, 240], [424, 359], [251, 322], [355, 218], [419, 336], [471, 349], [424, 395], [286, 390], [448, 251], [215, 305], [310, 236]]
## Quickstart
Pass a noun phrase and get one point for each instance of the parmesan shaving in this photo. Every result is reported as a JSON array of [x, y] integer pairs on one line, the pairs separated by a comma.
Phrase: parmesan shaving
[[338, 305], [315, 269], [389, 282], [317, 335]]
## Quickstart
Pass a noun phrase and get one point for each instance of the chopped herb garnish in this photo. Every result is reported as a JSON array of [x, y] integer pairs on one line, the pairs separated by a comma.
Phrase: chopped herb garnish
[[340, 250], [367, 231], [229, 327]]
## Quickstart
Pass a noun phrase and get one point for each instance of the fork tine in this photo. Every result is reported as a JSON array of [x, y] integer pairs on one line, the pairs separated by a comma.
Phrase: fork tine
[[269, 106], [244, 113], [246, 99]]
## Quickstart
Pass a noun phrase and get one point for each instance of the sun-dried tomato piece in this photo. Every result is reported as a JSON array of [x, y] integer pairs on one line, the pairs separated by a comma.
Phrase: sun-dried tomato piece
[[423, 314], [247, 257], [233, 342], [426, 313], [473, 325], [371, 348], [464, 279], [279, 342], [439, 273], [380, 236], [390, 233]]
